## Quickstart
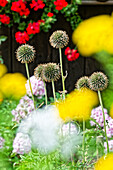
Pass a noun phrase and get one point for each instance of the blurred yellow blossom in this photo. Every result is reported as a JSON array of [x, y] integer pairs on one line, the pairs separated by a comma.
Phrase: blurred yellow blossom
[[111, 111], [3, 69], [78, 105], [12, 85], [1, 97], [94, 35], [105, 162]]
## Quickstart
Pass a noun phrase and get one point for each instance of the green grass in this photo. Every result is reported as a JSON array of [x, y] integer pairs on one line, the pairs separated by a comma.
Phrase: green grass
[[36, 161], [8, 133]]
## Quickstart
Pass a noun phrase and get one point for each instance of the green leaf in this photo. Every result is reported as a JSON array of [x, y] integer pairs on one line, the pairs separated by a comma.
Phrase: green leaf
[[22, 26], [51, 99], [13, 154], [78, 1], [16, 18], [2, 38]]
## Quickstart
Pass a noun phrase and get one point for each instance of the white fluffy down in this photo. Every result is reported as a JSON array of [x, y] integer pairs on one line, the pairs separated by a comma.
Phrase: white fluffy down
[[47, 132], [42, 126], [71, 139]]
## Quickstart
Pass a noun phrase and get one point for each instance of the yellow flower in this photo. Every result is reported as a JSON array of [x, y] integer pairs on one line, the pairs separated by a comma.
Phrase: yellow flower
[[1, 97], [94, 35], [12, 85], [111, 111], [78, 105], [3, 69], [105, 162]]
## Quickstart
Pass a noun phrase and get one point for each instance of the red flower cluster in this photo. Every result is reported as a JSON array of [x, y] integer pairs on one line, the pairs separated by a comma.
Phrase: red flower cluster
[[4, 19], [50, 14], [21, 37], [71, 54], [60, 4], [33, 28], [20, 7], [37, 4], [3, 3]]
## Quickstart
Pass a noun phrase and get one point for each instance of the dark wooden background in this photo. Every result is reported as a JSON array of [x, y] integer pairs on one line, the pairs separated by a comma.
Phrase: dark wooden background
[[45, 53]]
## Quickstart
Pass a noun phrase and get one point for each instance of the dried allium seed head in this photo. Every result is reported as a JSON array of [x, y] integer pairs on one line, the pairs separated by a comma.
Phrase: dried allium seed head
[[82, 82], [25, 53], [59, 39], [98, 81], [51, 72], [38, 71]]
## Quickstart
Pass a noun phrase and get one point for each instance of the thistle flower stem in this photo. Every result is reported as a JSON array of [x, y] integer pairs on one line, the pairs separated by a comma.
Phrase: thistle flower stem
[[100, 99], [63, 84], [53, 87], [27, 70], [83, 144], [45, 92]]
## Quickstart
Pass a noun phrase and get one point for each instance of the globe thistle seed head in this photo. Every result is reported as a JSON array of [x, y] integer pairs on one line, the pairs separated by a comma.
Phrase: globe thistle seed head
[[51, 72], [98, 81], [25, 53], [38, 71], [82, 82], [59, 39]]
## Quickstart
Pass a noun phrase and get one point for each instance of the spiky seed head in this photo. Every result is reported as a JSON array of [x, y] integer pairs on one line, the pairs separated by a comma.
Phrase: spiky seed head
[[98, 81], [51, 72], [38, 71], [25, 53], [82, 82], [59, 39]]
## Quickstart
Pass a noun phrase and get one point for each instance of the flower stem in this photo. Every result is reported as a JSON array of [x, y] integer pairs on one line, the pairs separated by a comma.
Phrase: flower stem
[[83, 144], [63, 84], [27, 70], [45, 92], [100, 99], [53, 87]]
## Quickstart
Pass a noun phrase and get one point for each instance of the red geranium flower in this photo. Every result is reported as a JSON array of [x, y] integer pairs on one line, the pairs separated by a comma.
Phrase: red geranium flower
[[60, 4], [71, 54], [33, 28], [67, 51], [21, 37], [20, 7], [3, 3], [37, 4], [4, 19], [25, 12], [50, 14]]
